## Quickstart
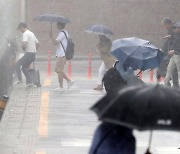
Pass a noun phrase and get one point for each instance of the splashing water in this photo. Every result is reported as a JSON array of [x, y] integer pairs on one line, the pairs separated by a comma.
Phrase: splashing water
[[9, 18]]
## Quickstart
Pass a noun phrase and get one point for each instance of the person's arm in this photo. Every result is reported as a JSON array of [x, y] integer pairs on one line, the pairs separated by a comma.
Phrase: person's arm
[[52, 39], [37, 46], [58, 40], [37, 43], [24, 45]]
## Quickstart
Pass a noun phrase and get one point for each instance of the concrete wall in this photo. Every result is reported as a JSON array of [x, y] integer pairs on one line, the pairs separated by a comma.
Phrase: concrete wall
[[141, 18], [9, 19]]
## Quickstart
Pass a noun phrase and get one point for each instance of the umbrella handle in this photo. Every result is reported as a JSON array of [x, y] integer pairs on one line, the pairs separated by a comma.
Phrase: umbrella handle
[[50, 32], [139, 73], [150, 142], [51, 27]]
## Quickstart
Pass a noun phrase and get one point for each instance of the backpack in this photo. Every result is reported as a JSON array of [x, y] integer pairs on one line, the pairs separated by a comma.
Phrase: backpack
[[69, 52]]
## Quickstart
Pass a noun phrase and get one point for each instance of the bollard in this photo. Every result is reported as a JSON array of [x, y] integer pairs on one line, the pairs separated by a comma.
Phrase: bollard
[[89, 66], [49, 63], [69, 69], [151, 75]]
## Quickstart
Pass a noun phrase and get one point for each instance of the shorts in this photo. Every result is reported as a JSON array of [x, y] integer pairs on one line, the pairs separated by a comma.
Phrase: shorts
[[60, 64]]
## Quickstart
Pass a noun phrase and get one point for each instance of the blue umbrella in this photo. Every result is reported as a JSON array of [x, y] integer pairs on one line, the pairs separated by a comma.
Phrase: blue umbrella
[[100, 29], [137, 53], [52, 18]]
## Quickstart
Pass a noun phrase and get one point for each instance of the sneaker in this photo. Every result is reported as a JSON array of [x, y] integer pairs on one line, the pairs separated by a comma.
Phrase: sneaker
[[18, 82], [30, 85], [98, 88], [59, 89], [70, 84]]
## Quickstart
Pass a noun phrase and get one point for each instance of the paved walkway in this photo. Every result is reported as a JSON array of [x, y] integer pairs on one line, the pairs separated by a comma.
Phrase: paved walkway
[[40, 121]]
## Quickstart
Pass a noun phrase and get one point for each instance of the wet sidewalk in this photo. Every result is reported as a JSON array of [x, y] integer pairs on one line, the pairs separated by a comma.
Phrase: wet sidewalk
[[41, 121]]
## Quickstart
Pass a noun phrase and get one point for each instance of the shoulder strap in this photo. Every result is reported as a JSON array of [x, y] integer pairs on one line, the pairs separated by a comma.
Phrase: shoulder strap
[[65, 34], [66, 38], [63, 47]]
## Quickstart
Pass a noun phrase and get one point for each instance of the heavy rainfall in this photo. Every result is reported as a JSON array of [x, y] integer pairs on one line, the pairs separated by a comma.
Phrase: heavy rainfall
[[89, 76]]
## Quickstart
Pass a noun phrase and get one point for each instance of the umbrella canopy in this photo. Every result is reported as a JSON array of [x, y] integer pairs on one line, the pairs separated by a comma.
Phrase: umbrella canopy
[[149, 107], [100, 30], [52, 18], [137, 53]]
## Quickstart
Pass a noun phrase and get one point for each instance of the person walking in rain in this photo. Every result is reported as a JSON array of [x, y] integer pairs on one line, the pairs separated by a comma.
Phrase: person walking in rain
[[174, 52], [30, 44], [61, 42], [161, 71], [104, 47]]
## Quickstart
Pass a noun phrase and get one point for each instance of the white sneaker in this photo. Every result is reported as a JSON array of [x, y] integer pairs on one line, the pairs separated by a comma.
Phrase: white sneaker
[[70, 84], [59, 89], [18, 82], [30, 85]]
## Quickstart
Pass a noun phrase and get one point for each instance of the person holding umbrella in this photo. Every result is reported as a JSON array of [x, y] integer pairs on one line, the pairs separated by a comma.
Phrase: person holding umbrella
[[111, 138], [104, 47], [174, 53], [61, 42]]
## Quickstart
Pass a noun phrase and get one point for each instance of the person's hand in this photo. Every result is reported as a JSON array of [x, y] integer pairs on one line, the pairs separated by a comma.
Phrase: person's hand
[[167, 37], [171, 52]]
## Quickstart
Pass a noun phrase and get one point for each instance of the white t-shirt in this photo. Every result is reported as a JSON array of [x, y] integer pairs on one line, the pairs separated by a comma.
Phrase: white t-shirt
[[31, 40], [62, 39]]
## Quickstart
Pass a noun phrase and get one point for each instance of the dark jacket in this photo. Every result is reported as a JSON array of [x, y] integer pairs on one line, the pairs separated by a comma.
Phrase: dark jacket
[[113, 139], [176, 43], [167, 42]]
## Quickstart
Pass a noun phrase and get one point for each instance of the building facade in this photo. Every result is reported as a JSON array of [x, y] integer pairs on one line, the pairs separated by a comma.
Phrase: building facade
[[127, 18]]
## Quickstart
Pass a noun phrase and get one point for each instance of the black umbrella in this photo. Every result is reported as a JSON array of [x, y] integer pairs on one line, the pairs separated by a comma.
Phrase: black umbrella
[[149, 107], [52, 18]]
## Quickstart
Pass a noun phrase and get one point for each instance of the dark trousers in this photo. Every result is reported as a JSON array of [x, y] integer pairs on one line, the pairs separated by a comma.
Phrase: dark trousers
[[25, 63]]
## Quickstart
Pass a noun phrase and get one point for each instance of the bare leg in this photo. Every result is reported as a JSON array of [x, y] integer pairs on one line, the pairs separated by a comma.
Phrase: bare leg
[[60, 77], [66, 77]]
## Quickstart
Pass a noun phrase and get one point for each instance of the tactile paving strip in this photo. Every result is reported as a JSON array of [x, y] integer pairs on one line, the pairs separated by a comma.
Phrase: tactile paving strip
[[18, 129]]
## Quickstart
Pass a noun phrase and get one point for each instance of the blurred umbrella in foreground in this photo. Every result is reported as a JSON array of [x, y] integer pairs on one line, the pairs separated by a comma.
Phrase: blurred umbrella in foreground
[[52, 18], [100, 30], [149, 107], [137, 53]]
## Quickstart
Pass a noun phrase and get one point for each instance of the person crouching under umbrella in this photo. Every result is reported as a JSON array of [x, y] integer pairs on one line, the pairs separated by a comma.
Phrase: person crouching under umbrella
[[110, 138]]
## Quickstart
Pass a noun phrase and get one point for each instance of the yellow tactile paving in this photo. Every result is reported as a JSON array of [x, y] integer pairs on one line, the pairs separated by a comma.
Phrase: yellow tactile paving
[[43, 122]]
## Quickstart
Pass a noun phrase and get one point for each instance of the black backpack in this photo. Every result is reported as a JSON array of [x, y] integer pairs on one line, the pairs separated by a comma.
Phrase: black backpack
[[69, 52]]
